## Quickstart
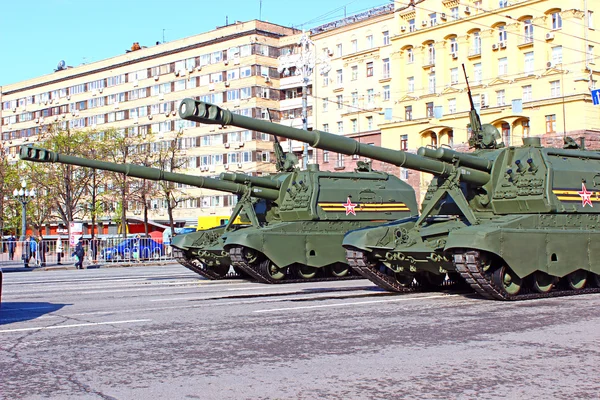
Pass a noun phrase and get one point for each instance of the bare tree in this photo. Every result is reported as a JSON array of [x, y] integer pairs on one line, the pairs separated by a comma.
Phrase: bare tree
[[169, 159]]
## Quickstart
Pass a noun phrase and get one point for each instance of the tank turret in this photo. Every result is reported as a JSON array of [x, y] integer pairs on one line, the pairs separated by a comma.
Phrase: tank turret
[[484, 216]]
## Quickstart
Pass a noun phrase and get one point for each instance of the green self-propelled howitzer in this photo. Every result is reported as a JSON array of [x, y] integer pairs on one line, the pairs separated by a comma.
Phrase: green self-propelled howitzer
[[515, 222], [202, 251], [314, 209]]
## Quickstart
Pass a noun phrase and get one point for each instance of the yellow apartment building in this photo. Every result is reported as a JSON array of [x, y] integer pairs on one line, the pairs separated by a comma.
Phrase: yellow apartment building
[[531, 65], [353, 80], [139, 92]]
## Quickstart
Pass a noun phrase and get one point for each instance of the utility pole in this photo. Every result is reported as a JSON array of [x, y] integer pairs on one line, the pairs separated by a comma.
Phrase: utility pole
[[304, 63]]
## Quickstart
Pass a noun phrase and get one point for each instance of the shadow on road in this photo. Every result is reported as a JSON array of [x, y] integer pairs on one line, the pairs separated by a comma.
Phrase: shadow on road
[[24, 311]]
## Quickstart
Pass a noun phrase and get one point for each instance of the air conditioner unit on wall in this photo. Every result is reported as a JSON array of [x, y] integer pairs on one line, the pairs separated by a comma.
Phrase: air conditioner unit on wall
[[424, 23], [403, 28], [455, 55], [502, 45], [549, 35], [495, 46], [549, 64], [467, 10]]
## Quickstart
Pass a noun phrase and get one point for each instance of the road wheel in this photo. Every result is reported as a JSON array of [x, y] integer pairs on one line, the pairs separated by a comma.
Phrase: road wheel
[[338, 269], [220, 269], [306, 272], [576, 280], [507, 281], [542, 282], [269, 268]]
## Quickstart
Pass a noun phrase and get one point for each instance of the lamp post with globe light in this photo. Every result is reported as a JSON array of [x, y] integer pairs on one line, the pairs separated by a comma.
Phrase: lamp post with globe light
[[24, 196]]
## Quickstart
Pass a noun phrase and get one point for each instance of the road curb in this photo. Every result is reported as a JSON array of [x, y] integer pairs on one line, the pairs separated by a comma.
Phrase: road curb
[[94, 266]]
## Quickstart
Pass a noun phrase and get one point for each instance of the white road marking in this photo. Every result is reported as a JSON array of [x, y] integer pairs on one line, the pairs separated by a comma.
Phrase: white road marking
[[356, 303], [43, 328]]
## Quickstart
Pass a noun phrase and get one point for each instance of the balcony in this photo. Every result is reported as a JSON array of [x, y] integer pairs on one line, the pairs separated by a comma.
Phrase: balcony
[[474, 52]]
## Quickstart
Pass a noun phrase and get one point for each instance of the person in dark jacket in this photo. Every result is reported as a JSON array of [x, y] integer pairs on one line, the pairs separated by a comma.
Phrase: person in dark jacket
[[79, 253], [42, 250], [12, 245]]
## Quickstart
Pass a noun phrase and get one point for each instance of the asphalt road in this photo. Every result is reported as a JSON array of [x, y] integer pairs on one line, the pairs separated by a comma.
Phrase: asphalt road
[[161, 332]]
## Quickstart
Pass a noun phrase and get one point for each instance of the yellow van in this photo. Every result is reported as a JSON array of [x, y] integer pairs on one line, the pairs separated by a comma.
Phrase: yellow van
[[211, 221]]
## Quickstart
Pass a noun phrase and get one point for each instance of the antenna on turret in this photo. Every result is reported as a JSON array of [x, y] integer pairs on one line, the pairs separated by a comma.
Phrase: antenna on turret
[[474, 117]]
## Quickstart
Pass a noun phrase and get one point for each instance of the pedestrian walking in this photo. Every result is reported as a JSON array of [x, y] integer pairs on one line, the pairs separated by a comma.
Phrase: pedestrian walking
[[12, 245], [137, 248], [59, 251], [94, 249], [29, 250], [79, 253], [42, 250]]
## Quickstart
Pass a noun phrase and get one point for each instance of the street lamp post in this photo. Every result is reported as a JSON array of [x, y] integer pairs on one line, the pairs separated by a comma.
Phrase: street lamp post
[[24, 196]]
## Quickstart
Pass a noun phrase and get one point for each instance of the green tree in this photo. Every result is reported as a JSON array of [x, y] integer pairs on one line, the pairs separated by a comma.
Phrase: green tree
[[9, 180]]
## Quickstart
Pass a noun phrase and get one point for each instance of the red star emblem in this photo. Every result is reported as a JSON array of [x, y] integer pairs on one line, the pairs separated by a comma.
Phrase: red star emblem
[[349, 207], [586, 197]]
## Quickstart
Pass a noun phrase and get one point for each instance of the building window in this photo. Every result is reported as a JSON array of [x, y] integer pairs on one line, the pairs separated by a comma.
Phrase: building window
[[432, 19], [555, 89], [556, 21], [502, 66], [325, 127], [340, 127], [370, 123], [354, 99], [506, 133], [339, 99], [429, 109], [404, 142], [430, 54], [454, 76], [408, 113], [528, 31], [325, 104], [386, 38], [386, 68], [354, 123], [386, 92], [557, 55], [451, 106], [454, 13], [370, 97], [431, 80], [410, 87], [503, 3], [410, 56], [370, 42], [500, 97], [325, 156], [354, 72], [527, 93], [502, 34], [338, 50], [477, 74], [354, 45], [551, 123], [525, 125], [326, 79], [339, 163], [369, 69], [453, 46], [476, 44], [590, 20], [339, 76], [411, 25], [529, 63], [434, 139]]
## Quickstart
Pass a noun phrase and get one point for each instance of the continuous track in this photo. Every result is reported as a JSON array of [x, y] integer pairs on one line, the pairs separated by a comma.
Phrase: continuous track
[[200, 268], [258, 270], [469, 264]]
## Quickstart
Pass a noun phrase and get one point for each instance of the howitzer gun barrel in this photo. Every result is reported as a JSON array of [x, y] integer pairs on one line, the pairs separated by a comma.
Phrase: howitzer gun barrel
[[42, 155], [448, 155], [254, 180], [206, 113]]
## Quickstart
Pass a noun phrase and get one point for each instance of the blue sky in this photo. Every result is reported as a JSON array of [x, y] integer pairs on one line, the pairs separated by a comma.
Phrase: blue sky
[[36, 34]]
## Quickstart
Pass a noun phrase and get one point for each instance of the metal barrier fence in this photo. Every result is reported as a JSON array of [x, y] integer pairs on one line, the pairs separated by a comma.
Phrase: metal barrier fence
[[99, 251]]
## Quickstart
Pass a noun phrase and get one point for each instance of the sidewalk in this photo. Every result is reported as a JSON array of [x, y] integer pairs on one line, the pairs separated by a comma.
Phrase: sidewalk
[[18, 267]]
